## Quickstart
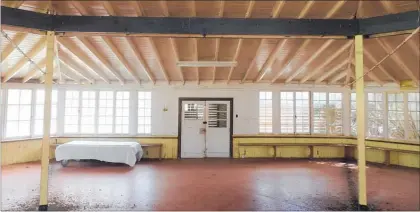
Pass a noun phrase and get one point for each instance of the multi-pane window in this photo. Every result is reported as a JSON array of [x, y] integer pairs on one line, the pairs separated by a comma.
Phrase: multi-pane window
[[71, 112], [144, 112], [18, 122], [294, 112], [122, 111], [266, 112], [319, 101], [335, 113], [353, 114], [413, 116], [375, 115], [39, 112], [106, 112], [87, 118], [287, 113], [396, 116]]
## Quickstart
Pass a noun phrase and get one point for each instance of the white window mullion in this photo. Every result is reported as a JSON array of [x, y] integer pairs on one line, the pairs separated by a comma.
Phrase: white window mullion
[[133, 113], [80, 113], [33, 108], [385, 114], [96, 111], [61, 98], [3, 113], [114, 111]]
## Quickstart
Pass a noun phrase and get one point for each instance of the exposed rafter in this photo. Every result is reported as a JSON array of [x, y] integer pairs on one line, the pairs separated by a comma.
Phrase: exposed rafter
[[397, 59], [19, 37], [138, 8], [34, 71], [277, 8], [76, 51], [176, 55], [253, 61], [40, 45], [159, 59], [371, 75], [71, 66], [337, 77], [121, 58], [85, 41], [79, 7], [326, 62], [164, 6], [331, 71], [235, 58], [372, 58], [337, 6], [306, 9], [270, 60], [216, 57], [141, 59], [109, 8], [285, 69], [309, 60]]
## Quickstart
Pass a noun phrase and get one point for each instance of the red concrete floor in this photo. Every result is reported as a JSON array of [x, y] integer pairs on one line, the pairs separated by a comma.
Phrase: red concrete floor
[[214, 184]]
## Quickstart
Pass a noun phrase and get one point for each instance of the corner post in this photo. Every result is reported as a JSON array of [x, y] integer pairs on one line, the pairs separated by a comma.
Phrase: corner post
[[43, 200], [360, 109]]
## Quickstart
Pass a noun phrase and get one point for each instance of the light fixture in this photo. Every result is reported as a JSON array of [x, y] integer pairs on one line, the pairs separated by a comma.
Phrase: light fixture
[[206, 63]]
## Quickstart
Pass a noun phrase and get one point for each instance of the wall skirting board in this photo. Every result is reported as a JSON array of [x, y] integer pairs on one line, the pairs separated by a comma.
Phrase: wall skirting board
[[21, 151]]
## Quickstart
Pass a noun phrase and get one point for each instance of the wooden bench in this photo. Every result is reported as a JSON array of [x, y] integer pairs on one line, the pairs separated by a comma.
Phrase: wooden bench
[[348, 149]]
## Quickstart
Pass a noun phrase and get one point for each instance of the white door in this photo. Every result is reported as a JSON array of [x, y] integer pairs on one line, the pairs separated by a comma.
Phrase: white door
[[218, 129], [192, 129]]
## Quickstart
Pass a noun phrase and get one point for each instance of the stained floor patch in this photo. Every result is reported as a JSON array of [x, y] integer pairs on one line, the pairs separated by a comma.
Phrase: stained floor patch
[[210, 185]]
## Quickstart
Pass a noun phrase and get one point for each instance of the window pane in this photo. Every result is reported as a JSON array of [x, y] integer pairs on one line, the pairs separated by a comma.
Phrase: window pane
[[375, 117], [265, 113], [71, 112], [413, 116], [106, 112], [396, 116]]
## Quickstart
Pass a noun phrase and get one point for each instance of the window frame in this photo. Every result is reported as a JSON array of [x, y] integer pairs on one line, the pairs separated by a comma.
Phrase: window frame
[[295, 116], [271, 128]]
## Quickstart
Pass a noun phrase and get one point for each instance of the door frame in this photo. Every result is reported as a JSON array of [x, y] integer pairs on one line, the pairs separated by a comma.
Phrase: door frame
[[204, 99]]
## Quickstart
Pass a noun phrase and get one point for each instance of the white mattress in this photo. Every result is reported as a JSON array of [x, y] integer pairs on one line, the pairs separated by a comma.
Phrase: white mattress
[[108, 151]]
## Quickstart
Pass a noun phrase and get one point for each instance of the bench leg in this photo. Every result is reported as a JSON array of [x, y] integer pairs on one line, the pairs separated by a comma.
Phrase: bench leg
[[311, 152], [387, 157]]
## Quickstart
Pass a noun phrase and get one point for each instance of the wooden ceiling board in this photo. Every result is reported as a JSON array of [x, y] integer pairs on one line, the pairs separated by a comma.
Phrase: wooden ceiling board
[[206, 73], [129, 55], [267, 47], [185, 49], [343, 56], [167, 55], [227, 49], [76, 62], [101, 46], [153, 8], [222, 73], [320, 9], [235, 9], [292, 9], [189, 74], [125, 8], [179, 8], [371, 9], [208, 9], [144, 46], [247, 53], [263, 9], [206, 48]]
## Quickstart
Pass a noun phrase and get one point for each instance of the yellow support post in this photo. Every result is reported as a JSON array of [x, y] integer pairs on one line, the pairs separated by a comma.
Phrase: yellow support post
[[43, 200], [360, 109]]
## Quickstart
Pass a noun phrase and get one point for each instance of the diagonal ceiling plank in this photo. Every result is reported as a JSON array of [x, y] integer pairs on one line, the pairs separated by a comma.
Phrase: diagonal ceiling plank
[[121, 58], [326, 62], [10, 47], [306, 8], [164, 6], [101, 58], [176, 55], [371, 75], [309, 60], [66, 61], [331, 71], [34, 71], [398, 60], [283, 70], [277, 8], [159, 59], [372, 58], [338, 77], [337, 6], [253, 61], [140, 57], [40, 45], [270, 60], [109, 8], [83, 57], [79, 7], [138, 8]]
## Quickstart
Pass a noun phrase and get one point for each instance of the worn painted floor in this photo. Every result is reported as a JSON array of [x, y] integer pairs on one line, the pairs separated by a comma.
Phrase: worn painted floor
[[210, 185]]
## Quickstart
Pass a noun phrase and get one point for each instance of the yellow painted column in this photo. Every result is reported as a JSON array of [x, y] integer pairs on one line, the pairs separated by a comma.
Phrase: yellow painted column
[[360, 109], [43, 200]]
